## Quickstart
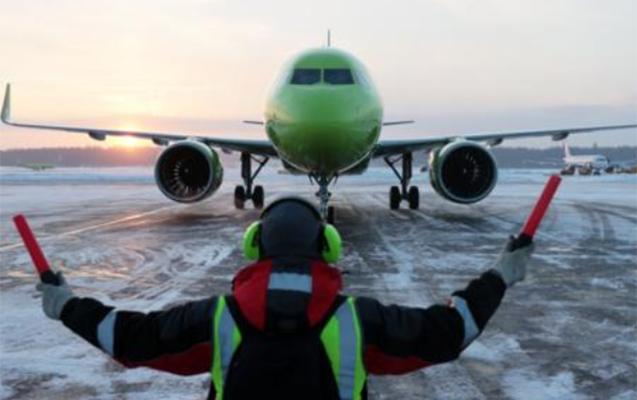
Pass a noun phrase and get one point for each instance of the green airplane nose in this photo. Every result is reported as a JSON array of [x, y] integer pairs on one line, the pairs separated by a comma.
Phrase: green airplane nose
[[319, 124], [324, 131]]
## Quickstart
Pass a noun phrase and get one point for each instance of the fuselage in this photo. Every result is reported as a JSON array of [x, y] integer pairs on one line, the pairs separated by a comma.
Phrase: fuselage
[[323, 113], [587, 161]]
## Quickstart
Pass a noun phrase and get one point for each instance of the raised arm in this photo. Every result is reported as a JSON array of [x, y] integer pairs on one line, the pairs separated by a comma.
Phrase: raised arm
[[177, 340], [401, 339]]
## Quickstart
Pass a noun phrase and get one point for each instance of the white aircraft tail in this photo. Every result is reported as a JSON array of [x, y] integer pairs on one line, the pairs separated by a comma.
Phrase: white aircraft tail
[[6, 105], [567, 151]]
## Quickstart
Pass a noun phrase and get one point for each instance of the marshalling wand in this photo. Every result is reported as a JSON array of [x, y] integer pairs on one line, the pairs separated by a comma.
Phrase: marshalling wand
[[535, 218], [31, 243]]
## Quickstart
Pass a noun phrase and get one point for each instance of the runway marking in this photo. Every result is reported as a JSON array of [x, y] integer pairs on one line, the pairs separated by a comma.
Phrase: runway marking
[[89, 228]]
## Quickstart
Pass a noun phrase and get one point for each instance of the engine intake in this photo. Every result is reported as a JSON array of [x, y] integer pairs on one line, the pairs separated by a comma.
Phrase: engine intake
[[464, 172], [188, 171]]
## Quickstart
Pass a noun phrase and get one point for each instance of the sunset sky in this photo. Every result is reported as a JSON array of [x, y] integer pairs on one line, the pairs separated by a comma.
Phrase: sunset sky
[[201, 66]]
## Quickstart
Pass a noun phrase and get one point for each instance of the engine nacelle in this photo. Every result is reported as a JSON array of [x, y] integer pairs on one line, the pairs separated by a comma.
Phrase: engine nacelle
[[463, 171], [188, 171]]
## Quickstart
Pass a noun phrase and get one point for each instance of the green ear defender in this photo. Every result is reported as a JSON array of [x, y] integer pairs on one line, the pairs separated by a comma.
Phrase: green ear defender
[[251, 241], [330, 243], [333, 244], [331, 252]]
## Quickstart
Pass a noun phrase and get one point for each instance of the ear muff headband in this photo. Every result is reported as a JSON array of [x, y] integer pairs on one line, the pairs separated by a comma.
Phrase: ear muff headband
[[333, 244], [251, 241], [296, 199], [331, 238]]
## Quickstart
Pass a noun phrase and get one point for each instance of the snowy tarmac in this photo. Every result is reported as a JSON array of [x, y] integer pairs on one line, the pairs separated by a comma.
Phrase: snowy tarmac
[[567, 332]]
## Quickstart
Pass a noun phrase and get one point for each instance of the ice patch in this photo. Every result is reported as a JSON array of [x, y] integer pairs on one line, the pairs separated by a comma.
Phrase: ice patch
[[615, 283], [528, 385], [495, 348], [5, 392], [632, 395]]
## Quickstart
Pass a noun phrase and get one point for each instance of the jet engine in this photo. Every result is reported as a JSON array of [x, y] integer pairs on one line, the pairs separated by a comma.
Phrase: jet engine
[[188, 171], [464, 172]]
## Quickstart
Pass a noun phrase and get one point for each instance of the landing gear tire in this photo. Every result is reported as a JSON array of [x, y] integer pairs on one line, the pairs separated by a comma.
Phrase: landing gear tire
[[258, 196], [413, 197], [394, 198], [247, 191], [331, 215], [239, 197], [585, 171]]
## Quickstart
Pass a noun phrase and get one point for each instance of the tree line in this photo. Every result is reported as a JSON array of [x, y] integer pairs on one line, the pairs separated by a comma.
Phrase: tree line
[[507, 157]]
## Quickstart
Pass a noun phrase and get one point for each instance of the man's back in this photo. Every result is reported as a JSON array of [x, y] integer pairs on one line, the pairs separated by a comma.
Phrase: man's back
[[282, 366], [287, 331]]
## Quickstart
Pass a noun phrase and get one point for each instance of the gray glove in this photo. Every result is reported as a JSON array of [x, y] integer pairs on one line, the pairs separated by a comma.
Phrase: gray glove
[[54, 298], [511, 264]]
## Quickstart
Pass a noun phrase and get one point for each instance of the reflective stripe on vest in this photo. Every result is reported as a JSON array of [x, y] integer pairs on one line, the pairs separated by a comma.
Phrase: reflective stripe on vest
[[343, 343], [341, 338], [227, 338]]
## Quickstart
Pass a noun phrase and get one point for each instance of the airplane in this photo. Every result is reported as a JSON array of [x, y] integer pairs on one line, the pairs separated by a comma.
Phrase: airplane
[[584, 164], [323, 119], [37, 166]]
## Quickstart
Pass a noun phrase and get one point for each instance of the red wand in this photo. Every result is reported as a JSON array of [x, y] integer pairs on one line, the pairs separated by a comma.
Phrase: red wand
[[535, 218], [40, 262]]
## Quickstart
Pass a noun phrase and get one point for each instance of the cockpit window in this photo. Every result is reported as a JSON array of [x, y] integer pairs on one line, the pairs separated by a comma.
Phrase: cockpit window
[[338, 76], [362, 78], [306, 76]]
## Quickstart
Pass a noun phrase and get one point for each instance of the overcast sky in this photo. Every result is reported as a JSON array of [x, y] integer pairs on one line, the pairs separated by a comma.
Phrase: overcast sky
[[456, 66]]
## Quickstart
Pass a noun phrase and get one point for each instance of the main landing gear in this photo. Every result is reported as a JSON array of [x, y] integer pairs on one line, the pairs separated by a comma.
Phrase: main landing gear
[[324, 195], [247, 192], [404, 192]]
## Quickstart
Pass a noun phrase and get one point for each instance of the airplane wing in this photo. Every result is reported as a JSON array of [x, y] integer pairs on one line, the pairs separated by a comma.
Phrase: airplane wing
[[258, 147], [389, 147]]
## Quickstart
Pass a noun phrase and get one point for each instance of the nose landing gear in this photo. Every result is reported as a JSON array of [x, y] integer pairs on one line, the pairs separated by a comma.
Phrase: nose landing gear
[[324, 195]]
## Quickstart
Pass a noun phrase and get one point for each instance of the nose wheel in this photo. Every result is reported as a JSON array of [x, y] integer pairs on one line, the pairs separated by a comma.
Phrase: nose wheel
[[397, 194], [327, 212], [243, 193]]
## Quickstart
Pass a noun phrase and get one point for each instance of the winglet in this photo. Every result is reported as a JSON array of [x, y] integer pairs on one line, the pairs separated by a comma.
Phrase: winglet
[[6, 106], [398, 122], [253, 122]]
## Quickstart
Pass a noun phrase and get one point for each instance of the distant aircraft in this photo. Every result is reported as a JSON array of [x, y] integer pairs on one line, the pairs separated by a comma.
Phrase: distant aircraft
[[584, 164], [37, 166], [594, 164], [323, 118]]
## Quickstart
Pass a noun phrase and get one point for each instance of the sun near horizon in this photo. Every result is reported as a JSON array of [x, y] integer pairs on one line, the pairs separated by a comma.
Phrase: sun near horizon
[[454, 66]]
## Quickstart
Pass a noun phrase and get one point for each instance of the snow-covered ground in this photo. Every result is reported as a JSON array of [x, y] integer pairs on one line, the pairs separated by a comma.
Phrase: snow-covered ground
[[568, 332]]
